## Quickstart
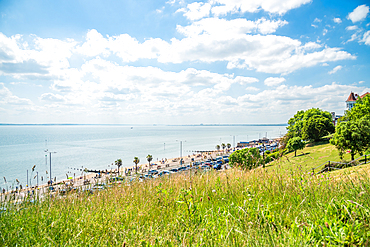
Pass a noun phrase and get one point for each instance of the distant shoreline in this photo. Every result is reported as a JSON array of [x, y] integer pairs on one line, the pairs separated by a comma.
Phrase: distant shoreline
[[141, 125]]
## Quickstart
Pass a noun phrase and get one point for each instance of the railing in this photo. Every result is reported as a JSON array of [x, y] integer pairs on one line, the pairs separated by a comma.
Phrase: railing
[[333, 165]]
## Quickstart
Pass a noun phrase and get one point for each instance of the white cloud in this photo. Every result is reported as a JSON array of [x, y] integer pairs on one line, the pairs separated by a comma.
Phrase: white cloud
[[337, 20], [223, 7], [359, 13], [339, 67], [274, 81], [271, 54], [251, 89], [360, 82], [350, 28], [366, 38], [196, 10], [7, 98], [325, 31], [317, 20], [325, 64]]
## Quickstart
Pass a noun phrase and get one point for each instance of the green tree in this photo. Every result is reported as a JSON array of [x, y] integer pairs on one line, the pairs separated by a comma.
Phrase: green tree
[[295, 125], [316, 127], [228, 145], [311, 124], [149, 158], [223, 146], [218, 147], [247, 158], [295, 144], [118, 163], [136, 161], [352, 135], [360, 110]]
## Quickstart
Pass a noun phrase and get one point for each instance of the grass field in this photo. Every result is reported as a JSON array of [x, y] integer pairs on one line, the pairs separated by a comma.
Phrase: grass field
[[311, 157], [281, 205]]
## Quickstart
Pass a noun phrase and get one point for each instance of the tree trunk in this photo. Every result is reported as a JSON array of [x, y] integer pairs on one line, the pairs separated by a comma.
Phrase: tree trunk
[[295, 153], [352, 156]]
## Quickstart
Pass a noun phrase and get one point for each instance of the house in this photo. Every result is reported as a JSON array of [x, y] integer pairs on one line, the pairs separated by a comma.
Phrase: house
[[352, 98]]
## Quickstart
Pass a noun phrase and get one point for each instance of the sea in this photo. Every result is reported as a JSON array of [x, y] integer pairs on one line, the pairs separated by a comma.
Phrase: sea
[[25, 150]]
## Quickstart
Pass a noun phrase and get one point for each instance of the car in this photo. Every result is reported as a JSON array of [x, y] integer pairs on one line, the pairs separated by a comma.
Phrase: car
[[153, 172], [114, 179], [174, 170], [217, 167]]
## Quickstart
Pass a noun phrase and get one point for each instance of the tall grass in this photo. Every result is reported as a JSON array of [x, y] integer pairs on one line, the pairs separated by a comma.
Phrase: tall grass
[[228, 208]]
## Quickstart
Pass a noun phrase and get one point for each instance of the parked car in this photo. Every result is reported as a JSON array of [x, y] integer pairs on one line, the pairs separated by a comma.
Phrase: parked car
[[153, 172], [217, 167], [174, 170]]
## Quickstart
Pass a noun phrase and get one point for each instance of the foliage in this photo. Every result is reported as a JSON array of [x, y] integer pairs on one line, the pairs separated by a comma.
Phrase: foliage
[[295, 144], [360, 110], [316, 127], [149, 158], [228, 145], [118, 163], [295, 125], [229, 208], [136, 161], [218, 147], [311, 124], [247, 158], [353, 135]]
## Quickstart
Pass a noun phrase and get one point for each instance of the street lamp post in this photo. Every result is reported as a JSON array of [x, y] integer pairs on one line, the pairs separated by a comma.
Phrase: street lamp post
[[51, 181], [180, 151]]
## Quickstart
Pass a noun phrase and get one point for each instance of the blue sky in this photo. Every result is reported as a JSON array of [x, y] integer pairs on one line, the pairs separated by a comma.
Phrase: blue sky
[[179, 62]]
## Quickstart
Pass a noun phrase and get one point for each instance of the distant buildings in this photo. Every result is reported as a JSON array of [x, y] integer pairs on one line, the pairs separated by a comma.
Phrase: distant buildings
[[350, 103], [352, 98]]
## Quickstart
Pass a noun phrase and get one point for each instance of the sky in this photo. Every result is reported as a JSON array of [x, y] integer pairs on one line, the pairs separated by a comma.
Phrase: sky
[[179, 62]]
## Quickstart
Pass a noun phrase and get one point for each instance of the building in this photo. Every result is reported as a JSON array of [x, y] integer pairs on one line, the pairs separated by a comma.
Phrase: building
[[352, 98]]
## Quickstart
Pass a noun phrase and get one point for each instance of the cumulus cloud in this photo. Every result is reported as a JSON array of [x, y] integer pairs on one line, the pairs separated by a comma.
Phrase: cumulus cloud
[[274, 81], [350, 28], [7, 98], [359, 13], [339, 67], [223, 7], [366, 38], [337, 20], [196, 10]]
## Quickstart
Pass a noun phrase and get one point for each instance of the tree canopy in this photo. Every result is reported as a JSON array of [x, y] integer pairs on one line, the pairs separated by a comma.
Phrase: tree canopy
[[295, 144], [311, 124], [247, 158], [353, 135], [360, 110], [316, 127]]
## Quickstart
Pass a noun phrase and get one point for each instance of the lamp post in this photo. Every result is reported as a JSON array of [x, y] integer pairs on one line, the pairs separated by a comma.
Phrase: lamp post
[[180, 151], [51, 181]]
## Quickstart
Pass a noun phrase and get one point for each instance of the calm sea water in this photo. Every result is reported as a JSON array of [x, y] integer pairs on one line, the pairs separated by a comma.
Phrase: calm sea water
[[97, 147]]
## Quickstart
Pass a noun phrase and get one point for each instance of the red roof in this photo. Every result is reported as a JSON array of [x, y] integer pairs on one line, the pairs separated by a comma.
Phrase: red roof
[[364, 94], [351, 97]]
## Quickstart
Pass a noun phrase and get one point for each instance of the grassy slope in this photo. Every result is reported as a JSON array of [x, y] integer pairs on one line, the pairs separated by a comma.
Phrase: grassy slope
[[278, 206], [311, 157]]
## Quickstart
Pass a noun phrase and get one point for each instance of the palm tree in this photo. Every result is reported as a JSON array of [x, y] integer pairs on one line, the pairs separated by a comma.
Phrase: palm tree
[[228, 146], [218, 147], [118, 163], [136, 161], [149, 158], [223, 146]]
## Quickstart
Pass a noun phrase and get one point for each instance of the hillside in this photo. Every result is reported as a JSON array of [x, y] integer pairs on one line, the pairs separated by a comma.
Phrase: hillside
[[279, 206]]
